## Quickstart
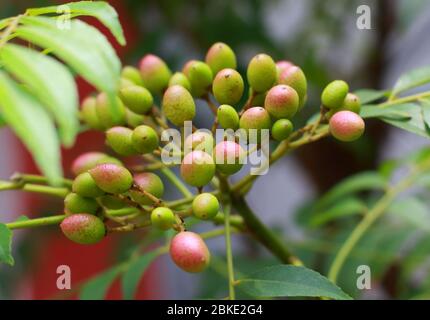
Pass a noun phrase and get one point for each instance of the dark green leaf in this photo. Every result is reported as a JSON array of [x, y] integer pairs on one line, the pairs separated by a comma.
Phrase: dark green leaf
[[134, 273], [33, 126], [96, 288], [50, 82], [5, 245], [412, 79], [290, 281], [369, 95], [98, 9]]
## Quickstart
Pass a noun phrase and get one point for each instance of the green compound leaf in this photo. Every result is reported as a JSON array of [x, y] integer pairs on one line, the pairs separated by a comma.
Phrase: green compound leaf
[[290, 281], [50, 81], [411, 79], [369, 95], [5, 245], [32, 124], [97, 287]]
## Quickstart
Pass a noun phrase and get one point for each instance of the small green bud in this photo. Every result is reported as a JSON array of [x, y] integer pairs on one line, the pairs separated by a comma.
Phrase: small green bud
[[282, 129], [228, 86], [205, 206], [346, 126], [178, 105], [261, 72], [88, 113], [352, 103], [111, 202], [133, 119], [334, 94], [296, 79], [119, 139], [220, 56], [149, 182], [228, 118], [144, 139], [200, 76], [85, 186], [104, 111], [180, 79], [163, 218], [137, 99], [199, 140], [228, 157], [197, 168], [74, 203], [155, 73], [282, 101], [132, 74], [112, 178], [89, 160], [83, 228]]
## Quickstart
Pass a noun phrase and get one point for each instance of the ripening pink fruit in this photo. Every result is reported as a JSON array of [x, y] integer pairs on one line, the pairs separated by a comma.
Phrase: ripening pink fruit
[[346, 126]]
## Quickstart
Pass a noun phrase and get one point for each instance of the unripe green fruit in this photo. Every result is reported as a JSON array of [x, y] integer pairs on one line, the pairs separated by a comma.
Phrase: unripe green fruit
[[124, 83], [296, 79], [163, 218], [334, 94], [281, 66], [85, 186], [88, 113], [89, 160], [199, 140], [155, 73], [228, 86], [144, 139], [282, 129], [178, 105], [346, 126], [255, 118], [137, 99], [83, 228], [133, 119], [197, 168], [282, 101], [228, 118], [220, 56], [74, 203], [228, 157], [112, 203], [200, 76], [112, 178], [189, 252], [205, 206], [133, 74], [119, 139], [352, 103], [261, 72], [104, 111], [180, 79], [149, 182]]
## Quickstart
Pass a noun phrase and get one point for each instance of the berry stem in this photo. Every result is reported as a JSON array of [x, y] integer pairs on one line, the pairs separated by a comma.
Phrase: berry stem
[[37, 179], [176, 182], [20, 185], [211, 104], [229, 253]]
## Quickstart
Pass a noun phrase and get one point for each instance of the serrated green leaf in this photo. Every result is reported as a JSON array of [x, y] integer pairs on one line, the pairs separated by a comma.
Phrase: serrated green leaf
[[369, 95], [50, 82], [368, 180], [412, 211], [290, 281], [32, 125], [97, 287], [100, 10], [6, 245], [412, 79], [134, 273], [373, 111]]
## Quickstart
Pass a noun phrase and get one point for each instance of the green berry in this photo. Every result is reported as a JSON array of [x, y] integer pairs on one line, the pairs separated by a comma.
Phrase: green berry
[[256, 118], [261, 72], [155, 73], [112, 178], [144, 139], [74, 203], [334, 94], [228, 118], [178, 105], [149, 182], [104, 110], [199, 140], [282, 101], [163, 218], [136, 98], [352, 103], [189, 252], [88, 113], [89, 160], [119, 139], [205, 206], [197, 168], [282, 129], [228, 157], [133, 119], [112, 203], [180, 79], [124, 83], [296, 79], [85, 186], [200, 76], [228, 86], [132, 74], [346, 126], [220, 56], [83, 228]]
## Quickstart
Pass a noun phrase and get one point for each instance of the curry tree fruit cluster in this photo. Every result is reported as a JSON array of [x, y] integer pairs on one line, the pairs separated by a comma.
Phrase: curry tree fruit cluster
[[132, 122]]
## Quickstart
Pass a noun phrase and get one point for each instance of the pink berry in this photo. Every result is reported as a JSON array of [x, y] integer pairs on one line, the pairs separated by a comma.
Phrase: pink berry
[[346, 126]]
